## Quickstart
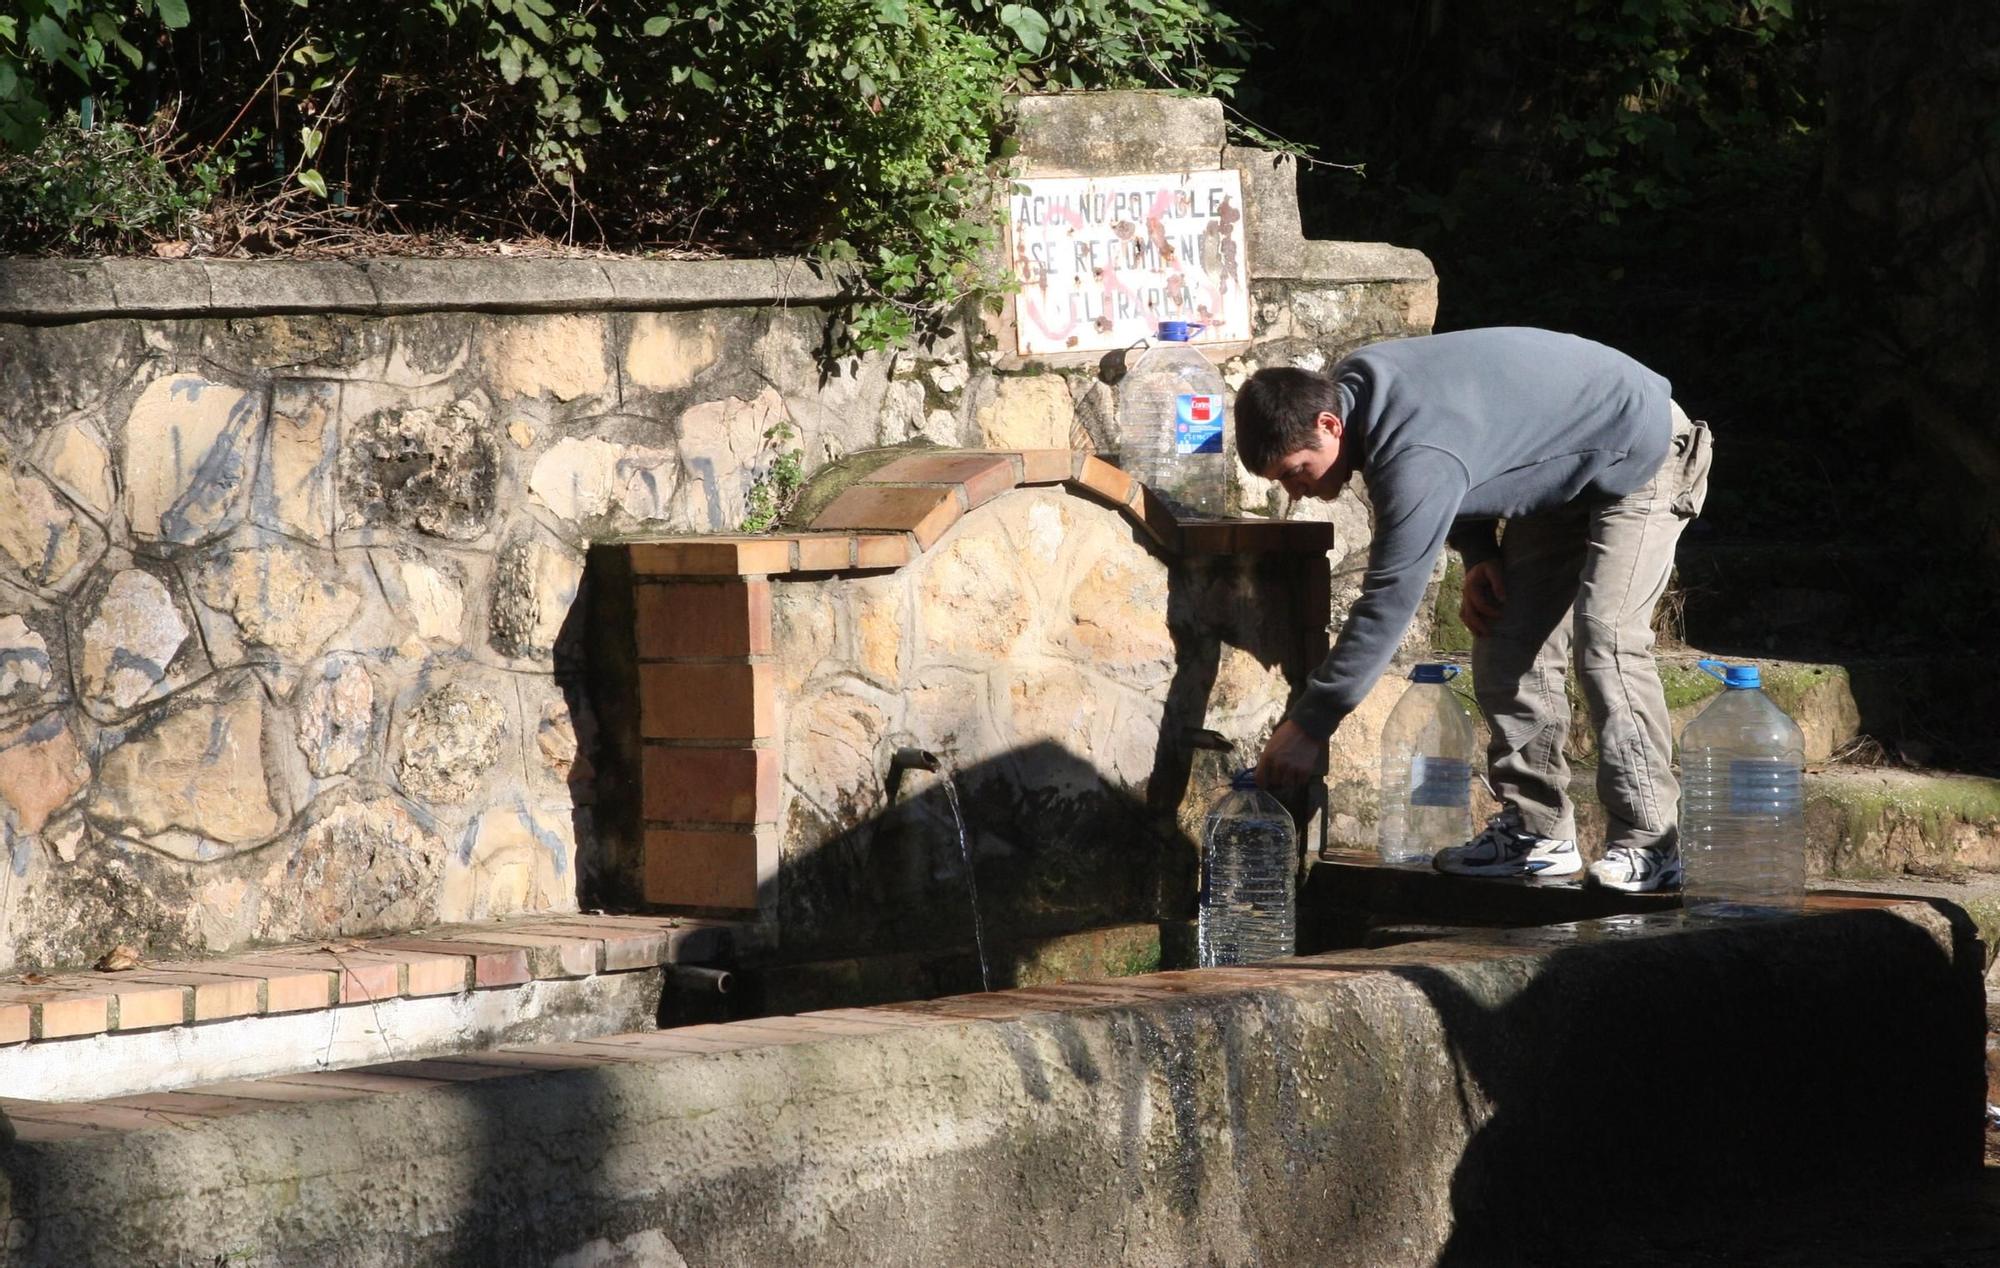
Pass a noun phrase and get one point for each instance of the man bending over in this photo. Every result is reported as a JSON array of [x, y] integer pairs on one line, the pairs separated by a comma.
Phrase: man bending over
[[1594, 470]]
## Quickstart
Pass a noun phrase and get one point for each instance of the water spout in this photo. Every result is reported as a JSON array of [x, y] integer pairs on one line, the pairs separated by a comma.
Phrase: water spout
[[701, 980], [904, 760]]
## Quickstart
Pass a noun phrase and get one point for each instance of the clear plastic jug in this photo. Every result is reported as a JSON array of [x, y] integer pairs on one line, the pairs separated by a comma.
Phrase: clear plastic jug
[[1742, 827], [1249, 866], [1427, 751], [1172, 406]]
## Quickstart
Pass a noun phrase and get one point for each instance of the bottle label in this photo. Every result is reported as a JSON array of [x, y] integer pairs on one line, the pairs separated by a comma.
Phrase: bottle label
[[1198, 422], [1440, 781], [1765, 786]]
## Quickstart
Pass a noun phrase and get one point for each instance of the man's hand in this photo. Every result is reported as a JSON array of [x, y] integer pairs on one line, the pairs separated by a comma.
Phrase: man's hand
[[1291, 759], [1484, 592]]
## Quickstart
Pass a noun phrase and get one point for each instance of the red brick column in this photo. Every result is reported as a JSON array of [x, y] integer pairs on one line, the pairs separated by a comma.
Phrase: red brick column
[[708, 721]]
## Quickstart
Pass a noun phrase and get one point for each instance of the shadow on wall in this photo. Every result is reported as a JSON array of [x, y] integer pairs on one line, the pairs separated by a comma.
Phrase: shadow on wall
[[1061, 836], [1056, 841], [579, 644], [597, 638], [1616, 1090]]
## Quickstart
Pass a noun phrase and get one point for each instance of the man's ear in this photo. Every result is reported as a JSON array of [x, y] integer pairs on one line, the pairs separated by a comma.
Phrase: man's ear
[[1330, 423]]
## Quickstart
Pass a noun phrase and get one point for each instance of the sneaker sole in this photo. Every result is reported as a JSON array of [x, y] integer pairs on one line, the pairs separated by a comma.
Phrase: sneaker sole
[[1488, 871], [1651, 885]]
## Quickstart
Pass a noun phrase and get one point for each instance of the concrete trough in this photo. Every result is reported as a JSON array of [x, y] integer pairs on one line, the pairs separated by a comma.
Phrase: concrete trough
[[1453, 1101]]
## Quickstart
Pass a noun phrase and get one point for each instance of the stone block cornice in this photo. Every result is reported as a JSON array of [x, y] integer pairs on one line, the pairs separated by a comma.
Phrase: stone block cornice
[[53, 291]]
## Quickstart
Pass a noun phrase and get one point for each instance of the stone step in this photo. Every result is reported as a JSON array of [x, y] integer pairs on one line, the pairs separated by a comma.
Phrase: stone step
[[1977, 894], [1873, 823], [1820, 697]]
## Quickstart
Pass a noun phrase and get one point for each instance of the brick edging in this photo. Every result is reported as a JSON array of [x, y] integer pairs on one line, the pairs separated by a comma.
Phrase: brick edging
[[270, 981], [889, 517]]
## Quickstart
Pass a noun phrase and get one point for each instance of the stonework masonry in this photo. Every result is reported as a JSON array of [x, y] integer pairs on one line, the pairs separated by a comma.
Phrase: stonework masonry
[[1055, 640], [292, 552]]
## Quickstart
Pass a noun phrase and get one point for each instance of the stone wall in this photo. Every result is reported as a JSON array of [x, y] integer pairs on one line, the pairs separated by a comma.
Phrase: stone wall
[[285, 600], [290, 551], [1057, 660], [1912, 187], [1081, 672]]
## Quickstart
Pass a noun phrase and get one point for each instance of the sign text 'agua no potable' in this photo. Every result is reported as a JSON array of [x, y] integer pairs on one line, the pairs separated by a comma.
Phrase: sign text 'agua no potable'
[[1102, 260]]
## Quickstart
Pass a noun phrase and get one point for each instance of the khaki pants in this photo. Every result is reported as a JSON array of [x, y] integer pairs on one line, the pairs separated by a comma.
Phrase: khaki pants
[[1588, 577]]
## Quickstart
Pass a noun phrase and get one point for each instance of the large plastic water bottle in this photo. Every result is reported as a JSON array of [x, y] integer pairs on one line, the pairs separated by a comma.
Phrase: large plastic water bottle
[[1249, 861], [1743, 827], [1171, 408], [1427, 748]]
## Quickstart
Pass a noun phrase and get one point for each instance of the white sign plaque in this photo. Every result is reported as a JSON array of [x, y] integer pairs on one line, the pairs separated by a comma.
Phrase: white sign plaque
[[1102, 260]]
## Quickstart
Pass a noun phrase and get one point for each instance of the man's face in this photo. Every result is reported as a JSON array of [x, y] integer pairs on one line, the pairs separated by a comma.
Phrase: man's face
[[1315, 471]]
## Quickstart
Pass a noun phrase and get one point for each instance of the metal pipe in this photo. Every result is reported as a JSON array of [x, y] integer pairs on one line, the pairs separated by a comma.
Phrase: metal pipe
[[908, 759], [700, 979]]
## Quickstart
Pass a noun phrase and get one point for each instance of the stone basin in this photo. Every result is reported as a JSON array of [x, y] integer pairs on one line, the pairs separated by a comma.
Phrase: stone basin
[[1366, 1107]]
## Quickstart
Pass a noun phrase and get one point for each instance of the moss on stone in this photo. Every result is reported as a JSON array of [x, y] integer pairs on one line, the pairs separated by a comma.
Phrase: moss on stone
[[1787, 683], [1448, 632], [833, 479], [1686, 685], [1871, 809], [1118, 951], [1963, 798], [1144, 958]]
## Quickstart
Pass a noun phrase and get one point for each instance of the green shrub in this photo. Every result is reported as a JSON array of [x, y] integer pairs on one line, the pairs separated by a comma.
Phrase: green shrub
[[112, 188], [860, 128]]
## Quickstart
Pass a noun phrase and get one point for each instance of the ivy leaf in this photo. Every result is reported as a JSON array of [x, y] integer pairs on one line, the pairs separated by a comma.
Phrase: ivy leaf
[[173, 12], [312, 180], [533, 22], [658, 26], [510, 64], [309, 139], [1028, 26], [47, 37]]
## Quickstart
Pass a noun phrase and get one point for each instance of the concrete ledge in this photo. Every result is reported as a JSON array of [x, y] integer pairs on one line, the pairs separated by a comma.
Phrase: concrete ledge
[[1365, 262], [37, 292], [1363, 1108]]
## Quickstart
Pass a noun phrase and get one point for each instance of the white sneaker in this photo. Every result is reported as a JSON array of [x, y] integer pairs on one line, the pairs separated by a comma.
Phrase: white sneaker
[[1637, 870], [1504, 850]]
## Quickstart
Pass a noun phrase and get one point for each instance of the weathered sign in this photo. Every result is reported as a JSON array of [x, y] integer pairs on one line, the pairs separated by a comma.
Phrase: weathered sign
[[1102, 260]]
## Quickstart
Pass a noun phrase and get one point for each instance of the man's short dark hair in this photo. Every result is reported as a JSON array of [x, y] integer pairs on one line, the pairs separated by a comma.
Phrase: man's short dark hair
[[1277, 410]]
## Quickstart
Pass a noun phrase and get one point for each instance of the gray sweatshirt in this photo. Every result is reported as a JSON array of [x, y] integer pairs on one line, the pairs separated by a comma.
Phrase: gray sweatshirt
[[1457, 432]]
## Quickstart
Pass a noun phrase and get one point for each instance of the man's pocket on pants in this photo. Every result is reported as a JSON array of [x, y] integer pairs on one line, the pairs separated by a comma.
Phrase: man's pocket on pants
[[1693, 450]]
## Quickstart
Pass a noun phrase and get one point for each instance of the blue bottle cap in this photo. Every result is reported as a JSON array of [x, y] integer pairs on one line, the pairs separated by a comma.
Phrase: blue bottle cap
[[1177, 331], [1741, 677], [1434, 673], [1244, 781]]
